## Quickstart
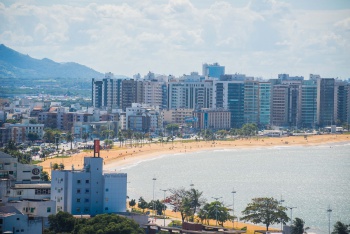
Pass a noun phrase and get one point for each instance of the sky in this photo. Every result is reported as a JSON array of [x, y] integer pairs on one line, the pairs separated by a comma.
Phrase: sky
[[257, 38]]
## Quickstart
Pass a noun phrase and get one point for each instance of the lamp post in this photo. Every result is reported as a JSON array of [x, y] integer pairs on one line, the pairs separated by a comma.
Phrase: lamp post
[[233, 207], [56, 141], [164, 190], [281, 201], [329, 211], [216, 209], [291, 215], [154, 183]]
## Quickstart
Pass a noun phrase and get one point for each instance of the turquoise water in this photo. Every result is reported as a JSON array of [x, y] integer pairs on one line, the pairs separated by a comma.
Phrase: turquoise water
[[310, 178]]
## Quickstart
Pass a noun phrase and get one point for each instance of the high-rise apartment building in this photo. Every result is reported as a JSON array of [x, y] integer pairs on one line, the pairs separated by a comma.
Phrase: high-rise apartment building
[[251, 101], [190, 95], [230, 96], [113, 93], [213, 70], [341, 102], [264, 103], [325, 101], [307, 104]]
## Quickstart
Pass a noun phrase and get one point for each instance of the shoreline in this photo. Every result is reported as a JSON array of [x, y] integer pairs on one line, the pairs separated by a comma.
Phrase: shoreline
[[124, 156], [121, 157]]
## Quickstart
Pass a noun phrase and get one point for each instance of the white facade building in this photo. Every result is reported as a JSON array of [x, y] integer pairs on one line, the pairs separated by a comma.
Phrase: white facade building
[[84, 191]]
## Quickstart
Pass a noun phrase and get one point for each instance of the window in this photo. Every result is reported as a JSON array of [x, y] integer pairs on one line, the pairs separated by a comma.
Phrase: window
[[78, 190], [11, 172], [78, 209], [87, 181], [86, 209], [48, 210], [87, 190], [106, 208], [106, 189], [86, 199], [78, 200], [78, 181]]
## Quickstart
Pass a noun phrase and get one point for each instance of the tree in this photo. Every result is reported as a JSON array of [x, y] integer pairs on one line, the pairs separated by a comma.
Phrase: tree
[[172, 127], [298, 226], [85, 136], [33, 136], [157, 205], [186, 202], [55, 166], [341, 228], [196, 200], [265, 210], [180, 202], [70, 138], [61, 222], [44, 176], [132, 203], [142, 204]]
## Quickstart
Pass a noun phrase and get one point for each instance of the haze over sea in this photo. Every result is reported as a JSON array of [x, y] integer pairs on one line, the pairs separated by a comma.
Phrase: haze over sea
[[310, 178]]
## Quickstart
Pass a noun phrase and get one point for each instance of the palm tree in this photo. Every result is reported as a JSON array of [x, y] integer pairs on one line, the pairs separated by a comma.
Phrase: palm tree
[[298, 226], [341, 228], [196, 200], [70, 138], [85, 136]]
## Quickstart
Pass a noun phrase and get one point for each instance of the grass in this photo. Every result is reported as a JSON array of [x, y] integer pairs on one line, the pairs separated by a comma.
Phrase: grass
[[35, 161]]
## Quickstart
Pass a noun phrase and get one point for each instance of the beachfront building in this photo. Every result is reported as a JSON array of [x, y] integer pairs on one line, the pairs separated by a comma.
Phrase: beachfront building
[[89, 191], [279, 105], [230, 96], [325, 101], [212, 119], [308, 104], [264, 103], [190, 95], [251, 101], [341, 102], [178, 116]]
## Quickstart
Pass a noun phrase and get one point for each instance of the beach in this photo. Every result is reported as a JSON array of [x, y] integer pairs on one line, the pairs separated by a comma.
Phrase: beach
[[119, 157], [126, 155]]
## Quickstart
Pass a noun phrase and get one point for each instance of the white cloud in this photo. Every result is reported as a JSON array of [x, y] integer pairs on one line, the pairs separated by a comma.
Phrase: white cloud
[[261, 38]]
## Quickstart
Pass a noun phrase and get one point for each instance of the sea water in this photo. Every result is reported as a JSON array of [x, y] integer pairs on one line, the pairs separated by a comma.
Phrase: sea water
[[310, 178]]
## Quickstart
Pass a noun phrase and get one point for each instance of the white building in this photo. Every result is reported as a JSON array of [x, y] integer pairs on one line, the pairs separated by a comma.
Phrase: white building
[[88, 191], [13, 221]]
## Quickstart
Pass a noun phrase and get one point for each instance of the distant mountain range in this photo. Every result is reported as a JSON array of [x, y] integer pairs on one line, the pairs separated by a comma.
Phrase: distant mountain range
[[16, 65]]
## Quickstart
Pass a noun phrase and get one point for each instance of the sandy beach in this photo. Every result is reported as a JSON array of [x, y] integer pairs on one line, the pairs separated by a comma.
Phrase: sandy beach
[[118, 157], [126, 155]]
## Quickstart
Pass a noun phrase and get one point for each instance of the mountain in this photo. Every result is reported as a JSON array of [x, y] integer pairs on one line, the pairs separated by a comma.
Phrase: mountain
[[16, 65]]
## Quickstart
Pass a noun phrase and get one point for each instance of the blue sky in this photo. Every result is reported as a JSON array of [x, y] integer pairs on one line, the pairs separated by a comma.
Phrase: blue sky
[[258, 38]]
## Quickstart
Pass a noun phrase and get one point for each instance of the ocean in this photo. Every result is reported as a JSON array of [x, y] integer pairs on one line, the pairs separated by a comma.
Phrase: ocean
[[310, 178]]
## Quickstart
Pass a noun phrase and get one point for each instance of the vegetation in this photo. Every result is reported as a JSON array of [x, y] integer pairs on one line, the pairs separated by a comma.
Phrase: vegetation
[[186, 202], [341, 228], [298, 226], [64, 222], [142, 204], [265, 210], [11, 149]]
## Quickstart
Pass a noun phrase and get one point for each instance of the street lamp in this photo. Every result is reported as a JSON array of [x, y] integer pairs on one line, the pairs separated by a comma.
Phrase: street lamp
[[56, 141], [216, 209], [164, 190], [280, 202], [329, 211], [291, 215], [233, 207], [154, 182]]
